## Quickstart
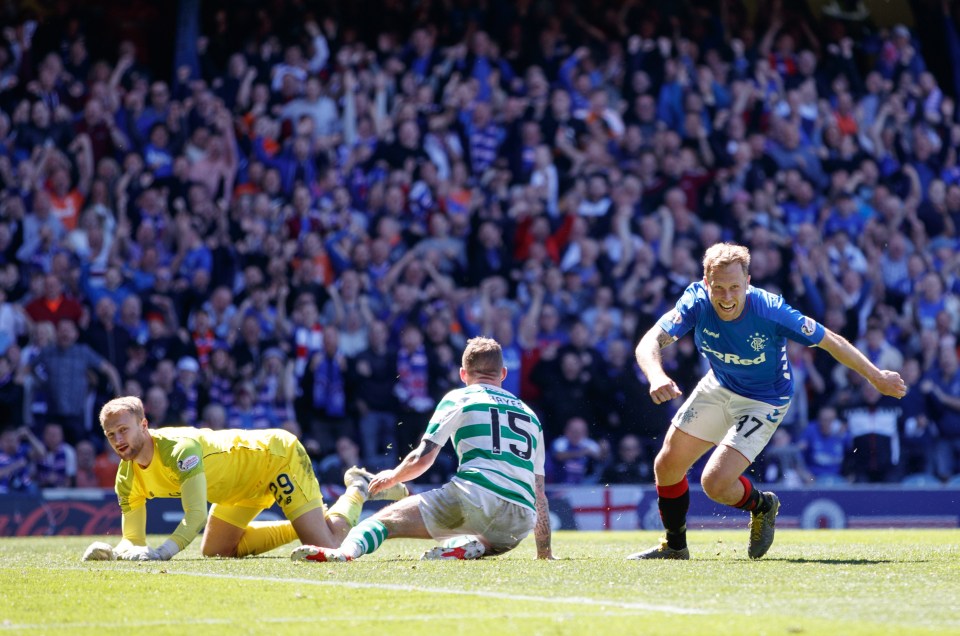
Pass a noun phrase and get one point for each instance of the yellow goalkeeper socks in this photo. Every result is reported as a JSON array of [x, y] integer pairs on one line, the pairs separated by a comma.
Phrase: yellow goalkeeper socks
[[348, 506], [263, 536]]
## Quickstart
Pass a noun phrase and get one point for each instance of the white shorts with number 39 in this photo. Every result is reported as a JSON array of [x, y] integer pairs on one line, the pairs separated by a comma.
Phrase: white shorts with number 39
[[716, 414]]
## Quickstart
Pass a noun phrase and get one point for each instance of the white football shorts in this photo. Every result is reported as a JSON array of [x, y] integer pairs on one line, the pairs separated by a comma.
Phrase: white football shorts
[[717, 414], [461, 508]]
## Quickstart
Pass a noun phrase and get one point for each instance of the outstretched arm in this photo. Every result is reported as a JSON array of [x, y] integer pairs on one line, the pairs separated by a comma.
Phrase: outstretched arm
[[887, 382], [193, 497], [133, 546], [662, 388], [413, 465], [541, 531]]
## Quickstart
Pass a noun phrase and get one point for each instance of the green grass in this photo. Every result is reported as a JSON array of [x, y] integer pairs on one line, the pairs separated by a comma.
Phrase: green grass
[[811, 582]]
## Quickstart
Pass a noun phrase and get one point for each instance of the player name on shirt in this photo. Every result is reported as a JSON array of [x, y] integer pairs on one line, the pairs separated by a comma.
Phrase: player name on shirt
[[497, 438]]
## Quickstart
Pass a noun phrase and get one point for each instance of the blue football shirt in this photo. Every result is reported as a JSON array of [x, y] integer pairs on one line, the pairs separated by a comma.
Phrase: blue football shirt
[[748, 355]]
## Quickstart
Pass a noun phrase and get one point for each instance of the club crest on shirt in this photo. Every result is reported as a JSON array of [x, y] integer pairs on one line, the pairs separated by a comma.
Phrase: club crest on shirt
[[808, 326], [188, 463], [758, 342]]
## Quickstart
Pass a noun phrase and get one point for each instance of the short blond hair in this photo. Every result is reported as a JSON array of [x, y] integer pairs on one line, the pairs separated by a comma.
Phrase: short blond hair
[[118, 406], [720, 255], [482, 356]]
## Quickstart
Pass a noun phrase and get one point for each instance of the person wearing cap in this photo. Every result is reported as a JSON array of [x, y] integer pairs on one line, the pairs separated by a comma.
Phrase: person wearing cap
[[240, 472], [899, 54], [247, 412]]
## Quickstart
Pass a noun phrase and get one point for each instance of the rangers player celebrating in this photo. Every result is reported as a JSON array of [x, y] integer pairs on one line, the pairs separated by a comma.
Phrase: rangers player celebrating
[[742, 332]]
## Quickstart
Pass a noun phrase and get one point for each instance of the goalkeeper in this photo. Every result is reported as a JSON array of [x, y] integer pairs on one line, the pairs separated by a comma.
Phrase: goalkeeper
[[240, 472]]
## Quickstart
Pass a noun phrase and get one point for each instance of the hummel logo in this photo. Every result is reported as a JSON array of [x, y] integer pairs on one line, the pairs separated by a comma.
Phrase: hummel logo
[[772, 417], [710, 333]]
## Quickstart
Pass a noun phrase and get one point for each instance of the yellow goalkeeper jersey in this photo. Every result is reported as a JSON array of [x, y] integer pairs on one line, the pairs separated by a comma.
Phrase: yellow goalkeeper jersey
[[251, 469]]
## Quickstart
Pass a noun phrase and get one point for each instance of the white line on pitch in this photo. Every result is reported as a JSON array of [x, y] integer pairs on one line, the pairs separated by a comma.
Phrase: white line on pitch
[[564, 600], [292, 619]]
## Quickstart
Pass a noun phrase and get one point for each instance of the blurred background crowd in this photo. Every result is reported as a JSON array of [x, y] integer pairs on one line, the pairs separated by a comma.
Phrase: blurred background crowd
[[294, 213]]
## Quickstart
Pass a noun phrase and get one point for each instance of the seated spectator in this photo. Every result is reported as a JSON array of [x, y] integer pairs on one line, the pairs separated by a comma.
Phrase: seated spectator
[[412, 388], [246, 413], [57, 467], [325, 383], [17, 468], [13, 321], [156, 408], [188, 397], [875, 441], [628, 467], [54, 305], [782, 461], [575, 456], [62, 371], [942, 387], [86, 476], [370, 377], [214, 417], [878, 349], [11, 395], [333, 466], [824, 444], [567, 390], [275, 384], [919, 433]]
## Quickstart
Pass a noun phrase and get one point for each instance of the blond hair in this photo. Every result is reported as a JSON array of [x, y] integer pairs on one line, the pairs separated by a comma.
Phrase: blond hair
[[720, 255], [121, 405], [483, 356]]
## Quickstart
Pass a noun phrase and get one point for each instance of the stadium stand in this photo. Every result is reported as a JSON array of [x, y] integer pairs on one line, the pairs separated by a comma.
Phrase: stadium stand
[[294, 215]]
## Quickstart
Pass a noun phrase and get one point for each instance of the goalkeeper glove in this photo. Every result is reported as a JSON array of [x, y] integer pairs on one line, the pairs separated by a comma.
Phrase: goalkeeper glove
[[146, 553], [99, 551], [138, 553]]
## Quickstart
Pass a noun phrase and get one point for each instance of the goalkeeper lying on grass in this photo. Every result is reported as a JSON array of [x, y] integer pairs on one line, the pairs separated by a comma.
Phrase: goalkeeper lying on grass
[[240, 472]]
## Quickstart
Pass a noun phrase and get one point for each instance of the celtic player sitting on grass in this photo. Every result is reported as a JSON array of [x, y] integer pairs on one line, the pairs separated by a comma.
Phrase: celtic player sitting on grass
[[742, 331], [240, 472], [497, 496]]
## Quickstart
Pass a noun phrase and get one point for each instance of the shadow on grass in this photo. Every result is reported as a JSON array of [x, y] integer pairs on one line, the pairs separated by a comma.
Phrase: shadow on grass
[[841, 561]]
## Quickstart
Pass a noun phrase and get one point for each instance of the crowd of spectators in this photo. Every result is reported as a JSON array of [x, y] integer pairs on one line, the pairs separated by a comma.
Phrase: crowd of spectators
[[302, 224]]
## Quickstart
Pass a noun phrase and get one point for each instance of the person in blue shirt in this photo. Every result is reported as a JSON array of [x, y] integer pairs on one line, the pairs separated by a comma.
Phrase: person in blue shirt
[[742, 331], [824, 444]]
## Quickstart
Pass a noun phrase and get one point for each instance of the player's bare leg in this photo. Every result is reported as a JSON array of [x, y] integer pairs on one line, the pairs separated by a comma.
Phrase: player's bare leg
[[724, 482], [232, 532], [721, 476], [680, 450], [403, 519], [344, 515], [400, 520], [220, 538], [315, 528]]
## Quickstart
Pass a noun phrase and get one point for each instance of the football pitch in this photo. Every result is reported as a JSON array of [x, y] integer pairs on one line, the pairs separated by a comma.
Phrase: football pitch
[[811, 582]]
